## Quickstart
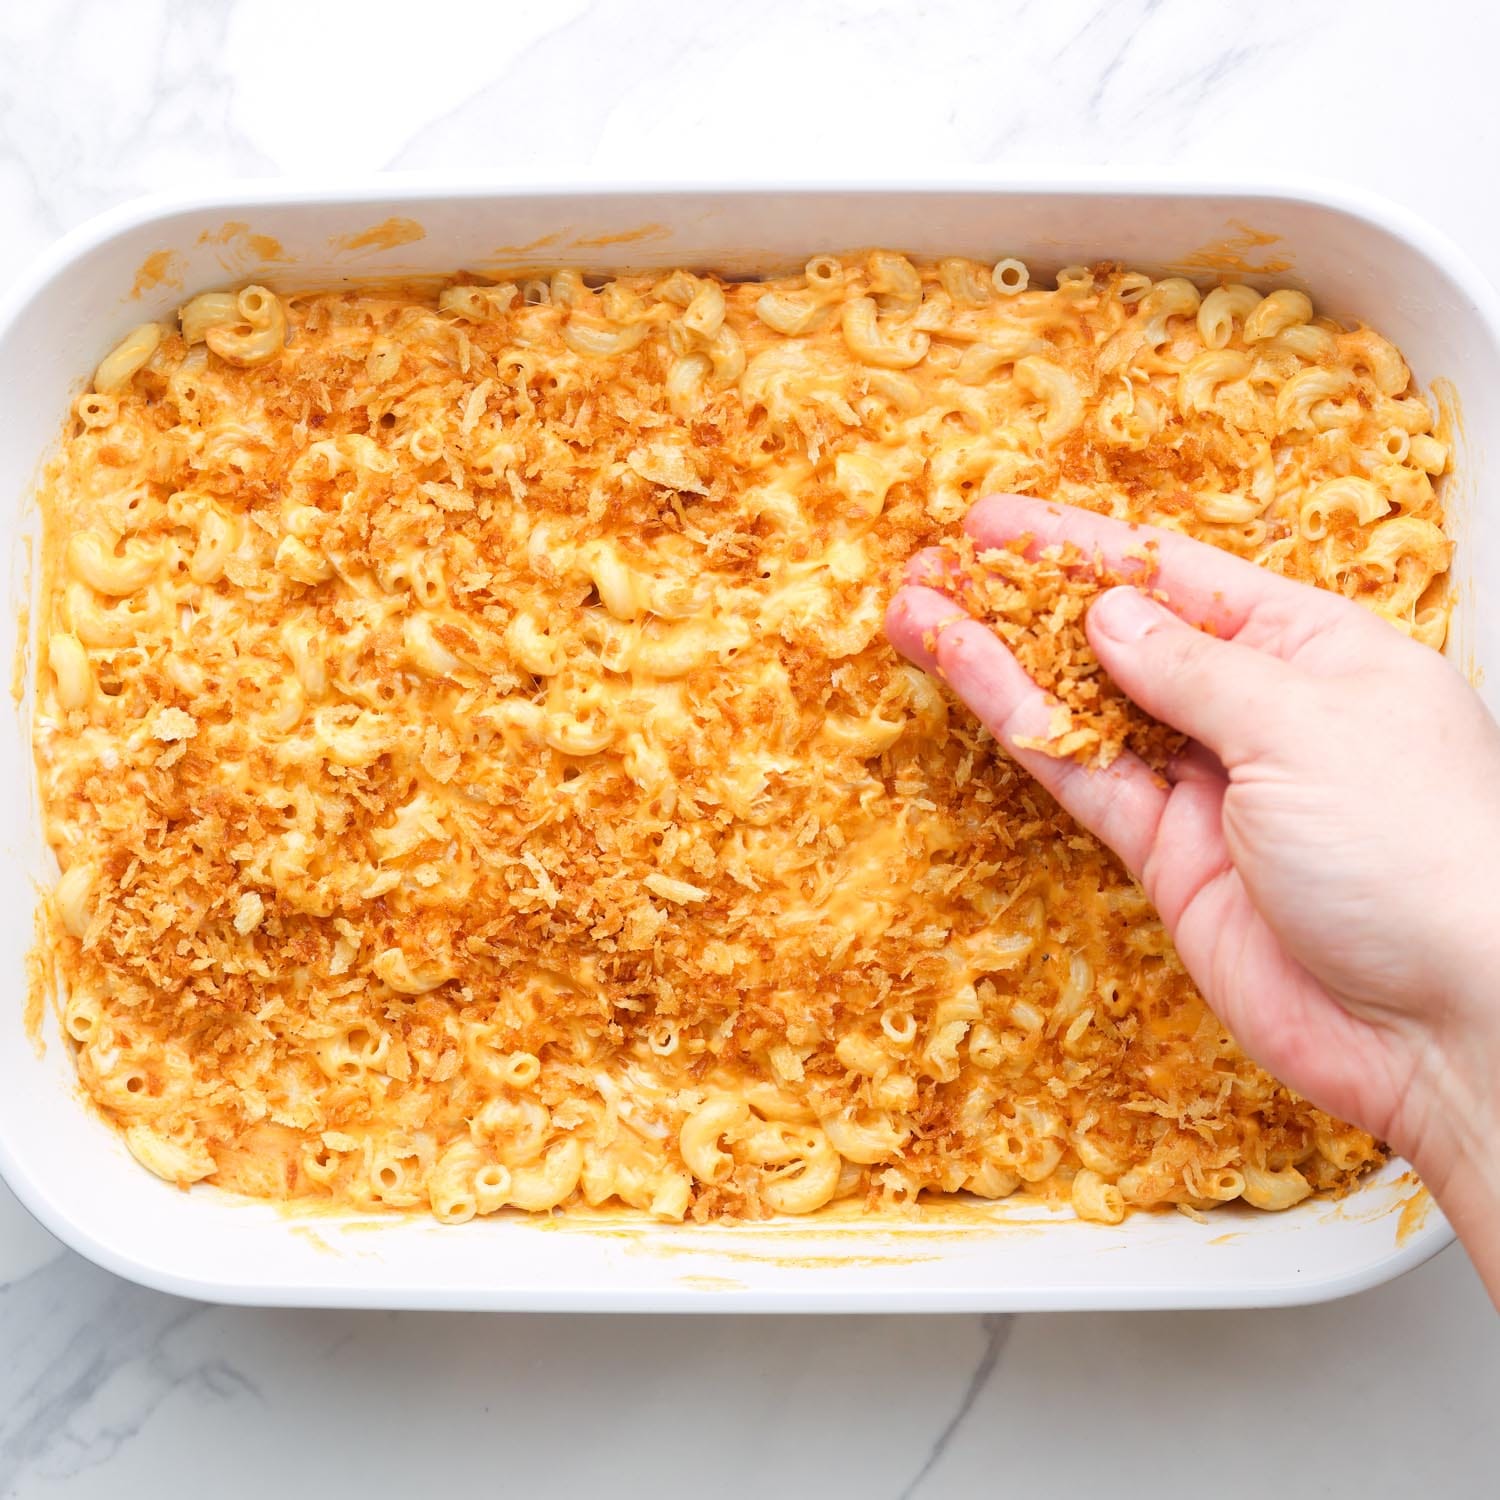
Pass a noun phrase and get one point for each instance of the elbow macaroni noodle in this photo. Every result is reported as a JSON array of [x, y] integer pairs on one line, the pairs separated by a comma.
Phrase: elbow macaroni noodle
[[480, 780]]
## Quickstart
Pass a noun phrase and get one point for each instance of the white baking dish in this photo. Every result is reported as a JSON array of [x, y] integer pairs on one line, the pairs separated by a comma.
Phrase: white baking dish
[[1359, 259]]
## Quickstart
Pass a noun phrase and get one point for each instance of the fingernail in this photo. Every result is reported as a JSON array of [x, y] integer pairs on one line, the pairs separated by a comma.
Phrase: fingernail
[[1125, 614]]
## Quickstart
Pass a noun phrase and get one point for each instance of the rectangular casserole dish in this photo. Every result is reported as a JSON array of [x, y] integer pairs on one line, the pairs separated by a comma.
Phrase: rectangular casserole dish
[[1358, 258]]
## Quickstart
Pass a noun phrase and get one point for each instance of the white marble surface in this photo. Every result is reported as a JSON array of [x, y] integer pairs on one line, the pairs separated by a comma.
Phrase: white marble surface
[[110, 1391]]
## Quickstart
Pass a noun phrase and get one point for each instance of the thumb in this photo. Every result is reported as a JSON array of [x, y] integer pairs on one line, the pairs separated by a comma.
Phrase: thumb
[[1228, 697]]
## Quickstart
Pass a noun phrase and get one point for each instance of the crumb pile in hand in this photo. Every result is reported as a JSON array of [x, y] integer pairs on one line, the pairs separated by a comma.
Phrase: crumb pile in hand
[[1037, 606]]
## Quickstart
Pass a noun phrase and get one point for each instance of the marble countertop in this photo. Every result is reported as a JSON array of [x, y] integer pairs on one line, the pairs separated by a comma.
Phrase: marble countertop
[[107, 1390]]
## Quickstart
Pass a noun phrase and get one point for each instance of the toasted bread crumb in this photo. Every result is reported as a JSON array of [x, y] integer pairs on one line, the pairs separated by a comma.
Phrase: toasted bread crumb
[[1038, 606]]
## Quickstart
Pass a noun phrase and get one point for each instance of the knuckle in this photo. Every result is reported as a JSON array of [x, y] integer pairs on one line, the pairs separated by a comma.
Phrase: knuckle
[[1178, 650], [1016, 720]]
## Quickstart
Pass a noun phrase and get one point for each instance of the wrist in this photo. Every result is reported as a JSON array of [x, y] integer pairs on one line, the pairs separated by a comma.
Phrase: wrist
[[1449, 1129]]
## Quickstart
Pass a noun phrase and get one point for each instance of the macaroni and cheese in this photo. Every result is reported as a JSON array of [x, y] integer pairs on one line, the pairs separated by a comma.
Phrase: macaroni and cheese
[[480, 779]]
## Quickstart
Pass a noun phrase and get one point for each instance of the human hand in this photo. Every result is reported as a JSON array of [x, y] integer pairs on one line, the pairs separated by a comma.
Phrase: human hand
[[1323, 855]]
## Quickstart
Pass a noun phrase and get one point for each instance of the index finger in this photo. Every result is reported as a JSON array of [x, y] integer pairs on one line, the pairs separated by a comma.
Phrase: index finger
[[1204, 585], [1121, 803]]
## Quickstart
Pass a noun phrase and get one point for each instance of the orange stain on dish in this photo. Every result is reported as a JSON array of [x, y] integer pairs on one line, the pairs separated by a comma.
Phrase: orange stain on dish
[[1414, 1211], [878, 1255], [41, 981], [310, 1236], [389, 234], [625, 237], [1235, 254], [262, 246], [537, 244], [160, 268]]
